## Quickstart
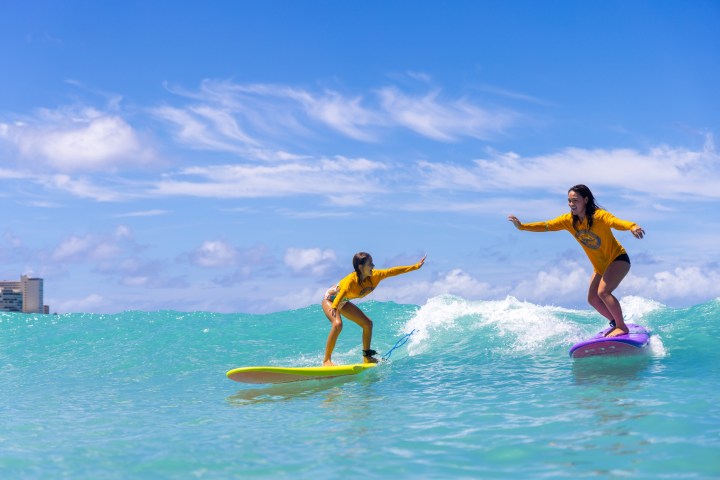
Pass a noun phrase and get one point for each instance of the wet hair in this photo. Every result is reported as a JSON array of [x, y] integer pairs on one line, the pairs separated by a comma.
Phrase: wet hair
[[590, 207], [359, 259]]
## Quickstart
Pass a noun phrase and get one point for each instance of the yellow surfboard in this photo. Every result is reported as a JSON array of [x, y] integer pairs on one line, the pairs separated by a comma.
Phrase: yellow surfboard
[[294, 374]]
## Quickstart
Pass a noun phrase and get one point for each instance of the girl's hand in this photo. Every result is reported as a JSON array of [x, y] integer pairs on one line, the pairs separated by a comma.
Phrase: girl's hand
[[638, 231], [515, 221], [422, 261]]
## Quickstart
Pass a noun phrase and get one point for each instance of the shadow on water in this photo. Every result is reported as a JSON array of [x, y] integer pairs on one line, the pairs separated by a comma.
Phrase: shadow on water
[[615, 370], [286, 391]]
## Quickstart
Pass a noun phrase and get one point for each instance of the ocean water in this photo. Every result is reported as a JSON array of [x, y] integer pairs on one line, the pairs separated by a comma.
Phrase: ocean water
[[481, 390]]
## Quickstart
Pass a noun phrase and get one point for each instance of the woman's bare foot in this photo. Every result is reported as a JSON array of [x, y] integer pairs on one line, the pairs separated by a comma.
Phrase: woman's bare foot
[[617, 331], [329, 363], [370, 360]]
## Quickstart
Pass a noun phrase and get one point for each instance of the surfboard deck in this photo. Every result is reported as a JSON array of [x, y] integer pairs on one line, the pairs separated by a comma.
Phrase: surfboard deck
[[267, 374], [628, 344]]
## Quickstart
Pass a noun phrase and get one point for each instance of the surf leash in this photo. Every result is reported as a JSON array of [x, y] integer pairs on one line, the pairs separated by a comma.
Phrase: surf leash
[[399, 343]]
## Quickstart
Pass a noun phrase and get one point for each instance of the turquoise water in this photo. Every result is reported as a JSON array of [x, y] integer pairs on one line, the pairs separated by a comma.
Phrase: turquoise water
[[482, 390]]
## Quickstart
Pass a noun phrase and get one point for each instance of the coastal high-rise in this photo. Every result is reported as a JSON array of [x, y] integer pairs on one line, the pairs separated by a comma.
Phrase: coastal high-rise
[[24, 296]]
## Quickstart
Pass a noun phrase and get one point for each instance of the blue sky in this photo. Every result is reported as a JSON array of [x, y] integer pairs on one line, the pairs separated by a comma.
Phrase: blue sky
[[232, 156]]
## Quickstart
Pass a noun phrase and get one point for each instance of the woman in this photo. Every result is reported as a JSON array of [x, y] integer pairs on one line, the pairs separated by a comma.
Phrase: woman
[[356, 285], [591, 227]]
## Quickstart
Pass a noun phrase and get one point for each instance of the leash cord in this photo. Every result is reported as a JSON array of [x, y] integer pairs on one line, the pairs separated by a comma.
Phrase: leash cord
[[399, 343]]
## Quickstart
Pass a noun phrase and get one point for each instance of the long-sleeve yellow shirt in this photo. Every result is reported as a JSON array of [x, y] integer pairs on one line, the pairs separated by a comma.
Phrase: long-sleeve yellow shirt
[[599, 243], [349, 288]]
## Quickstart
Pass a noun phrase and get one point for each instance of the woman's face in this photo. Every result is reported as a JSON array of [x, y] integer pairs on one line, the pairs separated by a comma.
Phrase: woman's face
[[577, 203]]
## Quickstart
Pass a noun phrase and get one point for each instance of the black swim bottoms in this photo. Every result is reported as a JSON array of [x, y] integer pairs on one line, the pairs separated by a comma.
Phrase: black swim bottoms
[[623, 257]]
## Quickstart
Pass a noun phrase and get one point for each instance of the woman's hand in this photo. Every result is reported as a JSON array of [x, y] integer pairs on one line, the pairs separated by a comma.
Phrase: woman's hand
[[515, 221], [637, 231]]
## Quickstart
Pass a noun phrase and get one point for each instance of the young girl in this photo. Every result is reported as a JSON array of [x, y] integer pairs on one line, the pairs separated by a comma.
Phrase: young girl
[[356, 285], [591, 227]]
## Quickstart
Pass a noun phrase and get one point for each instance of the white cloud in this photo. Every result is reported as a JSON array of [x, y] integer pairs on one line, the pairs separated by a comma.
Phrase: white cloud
[[225, 124], [459, 282], [455, 282], [89, 247], [689, 283], [309, 260], [346, 115], [247, 118], [76, 139], [428, 116], [346, 177], [661, 172], [82, 187], [215, 253], [123, 231], [194, 130], [143, 213], [9, 174], [565, 282], [89, 303], [12, 239], [73, 247]]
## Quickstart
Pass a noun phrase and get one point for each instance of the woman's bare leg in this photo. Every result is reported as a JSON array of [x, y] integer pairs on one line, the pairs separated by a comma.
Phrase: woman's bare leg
[[595, 300], [610, 280], [601, 298]]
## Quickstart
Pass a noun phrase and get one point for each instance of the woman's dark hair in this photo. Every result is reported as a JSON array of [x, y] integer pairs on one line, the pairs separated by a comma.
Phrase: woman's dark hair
[[360, 258], [590, 207]]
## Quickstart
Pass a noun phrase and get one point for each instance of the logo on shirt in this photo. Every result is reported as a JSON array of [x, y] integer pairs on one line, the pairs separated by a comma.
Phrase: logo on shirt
[[366, 291], [588, 238]]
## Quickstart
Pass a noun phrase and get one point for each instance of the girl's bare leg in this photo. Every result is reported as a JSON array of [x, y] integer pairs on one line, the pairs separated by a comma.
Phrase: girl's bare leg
[[352, 312], [336, 326]]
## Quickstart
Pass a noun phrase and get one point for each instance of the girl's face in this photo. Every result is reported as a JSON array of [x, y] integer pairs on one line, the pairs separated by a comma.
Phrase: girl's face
[[577, 203], [367, 267]]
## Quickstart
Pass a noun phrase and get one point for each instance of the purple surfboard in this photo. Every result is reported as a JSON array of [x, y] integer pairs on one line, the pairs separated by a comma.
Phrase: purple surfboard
[[628, 344]]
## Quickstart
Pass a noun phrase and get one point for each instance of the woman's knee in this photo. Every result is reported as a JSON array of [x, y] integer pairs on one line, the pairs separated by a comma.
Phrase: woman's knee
[[604, 292], [593, 298]]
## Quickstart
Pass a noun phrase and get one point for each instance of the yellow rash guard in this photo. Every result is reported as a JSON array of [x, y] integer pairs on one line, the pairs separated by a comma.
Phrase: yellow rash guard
[[349, 288], [599, 243]]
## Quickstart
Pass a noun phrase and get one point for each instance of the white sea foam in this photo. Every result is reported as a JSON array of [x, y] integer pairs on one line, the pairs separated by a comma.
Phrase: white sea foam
[[513, 325], [522, 326]]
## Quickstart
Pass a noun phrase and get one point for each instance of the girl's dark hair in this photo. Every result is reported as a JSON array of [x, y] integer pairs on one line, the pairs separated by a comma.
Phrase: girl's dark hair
[[359, 259], [590, 207]]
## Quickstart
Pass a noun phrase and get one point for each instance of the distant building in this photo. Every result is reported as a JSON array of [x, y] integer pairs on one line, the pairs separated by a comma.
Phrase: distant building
[[24, 296], [10, 300]]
